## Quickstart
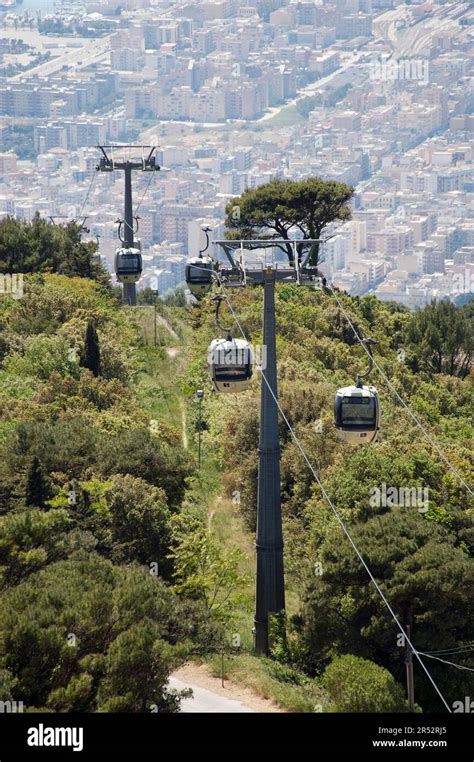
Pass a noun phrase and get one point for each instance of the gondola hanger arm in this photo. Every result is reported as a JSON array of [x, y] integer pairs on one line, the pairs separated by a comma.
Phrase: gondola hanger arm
[[369, 342], [219, 298]]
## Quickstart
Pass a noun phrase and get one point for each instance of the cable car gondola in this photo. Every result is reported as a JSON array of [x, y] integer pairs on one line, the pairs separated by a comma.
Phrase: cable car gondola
[[230, 360], [357, 414], [311, 276], [199, 270], [230, 364], [199, 275], [357, 409], [128, 265]]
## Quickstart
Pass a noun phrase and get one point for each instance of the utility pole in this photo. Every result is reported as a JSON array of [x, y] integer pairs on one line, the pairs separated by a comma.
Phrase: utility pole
[[409, 671], [155, 294], [270, 587], [146, 164], [199, 395]]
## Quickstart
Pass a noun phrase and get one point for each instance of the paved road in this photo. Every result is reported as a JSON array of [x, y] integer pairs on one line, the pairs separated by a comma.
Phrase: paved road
[[206, 701], [313, 87], [92, 51]]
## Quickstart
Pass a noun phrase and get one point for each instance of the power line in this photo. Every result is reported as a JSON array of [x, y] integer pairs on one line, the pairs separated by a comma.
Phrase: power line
[[88, 192], [338, 517], [447, 651], [401, 400], [144, 194], [451, 663]]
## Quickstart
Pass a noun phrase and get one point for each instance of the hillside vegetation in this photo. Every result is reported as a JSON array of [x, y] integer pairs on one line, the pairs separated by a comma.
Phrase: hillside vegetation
[[91, 489], [120, 559], [421, 558]]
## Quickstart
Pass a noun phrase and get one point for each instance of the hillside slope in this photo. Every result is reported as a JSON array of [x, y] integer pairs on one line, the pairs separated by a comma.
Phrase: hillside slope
[[120, 559], [419, 551]]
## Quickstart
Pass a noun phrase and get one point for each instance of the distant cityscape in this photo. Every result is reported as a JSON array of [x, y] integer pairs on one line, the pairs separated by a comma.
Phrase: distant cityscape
[[374, 93]]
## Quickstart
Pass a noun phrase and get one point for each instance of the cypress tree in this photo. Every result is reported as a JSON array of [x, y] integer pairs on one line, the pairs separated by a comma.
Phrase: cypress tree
[[91, 356], [37, 485]]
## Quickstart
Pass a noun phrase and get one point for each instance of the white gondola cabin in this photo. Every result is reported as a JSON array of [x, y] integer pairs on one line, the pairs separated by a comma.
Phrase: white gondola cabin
[[357, 414], [230, 364], [198, 275]]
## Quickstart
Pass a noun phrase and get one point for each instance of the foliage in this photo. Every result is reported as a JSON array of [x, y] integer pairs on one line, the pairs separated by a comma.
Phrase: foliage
[[139, 522], [158, 460], [207, 571], [147, 296], [421, 559], [20, 140], [136, 672], [84, 635], [37, 485], [104, 531], [41, 246], [175, 297], [29, 541], [359, 685], [91, 355], [306, 105], [276, 208], [86, 494], [406, 554], [441, 338]]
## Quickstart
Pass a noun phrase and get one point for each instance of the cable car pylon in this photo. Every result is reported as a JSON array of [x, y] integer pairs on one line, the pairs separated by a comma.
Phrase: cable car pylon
[[128, 259], [270, 580]]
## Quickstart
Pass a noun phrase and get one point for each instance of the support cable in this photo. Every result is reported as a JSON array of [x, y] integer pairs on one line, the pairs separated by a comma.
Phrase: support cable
[[451, 663], [88, 193]]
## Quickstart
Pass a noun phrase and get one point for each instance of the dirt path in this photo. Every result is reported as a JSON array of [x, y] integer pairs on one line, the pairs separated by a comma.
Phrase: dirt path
[[200, 676], [167, 325], [210, 517]]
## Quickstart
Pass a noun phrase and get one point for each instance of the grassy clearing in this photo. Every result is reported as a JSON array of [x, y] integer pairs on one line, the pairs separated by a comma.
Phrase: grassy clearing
[[226, 522], [288, 116], [288, 688], [160, 388]]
